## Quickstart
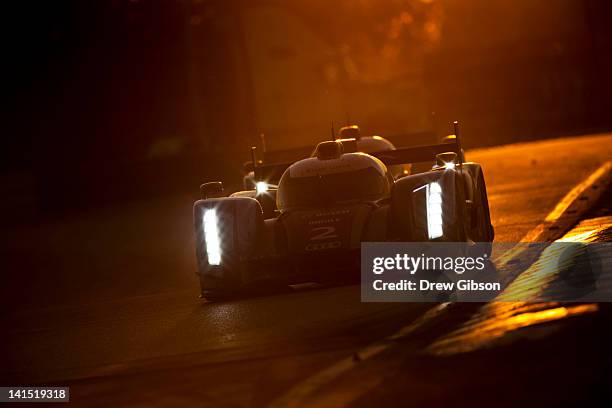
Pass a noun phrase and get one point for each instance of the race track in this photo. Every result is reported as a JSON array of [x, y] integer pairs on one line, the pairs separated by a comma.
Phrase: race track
[[108, 303]]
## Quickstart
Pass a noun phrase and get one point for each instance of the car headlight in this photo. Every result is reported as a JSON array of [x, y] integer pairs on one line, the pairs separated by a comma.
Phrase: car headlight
[[211, 236], [261, 187], [449, 165], [433, 208]]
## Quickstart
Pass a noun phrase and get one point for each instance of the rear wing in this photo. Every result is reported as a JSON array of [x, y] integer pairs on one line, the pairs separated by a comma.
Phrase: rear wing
[[417, 154], [413, 139], [297, 153], [286, 155], [272, 172]]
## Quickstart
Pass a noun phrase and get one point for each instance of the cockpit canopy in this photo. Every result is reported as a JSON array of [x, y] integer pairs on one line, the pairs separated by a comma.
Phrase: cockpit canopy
[[324, 180]]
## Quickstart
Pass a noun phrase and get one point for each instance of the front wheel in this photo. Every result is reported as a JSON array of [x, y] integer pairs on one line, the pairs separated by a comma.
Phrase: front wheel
[[217, 289], [481, 228]]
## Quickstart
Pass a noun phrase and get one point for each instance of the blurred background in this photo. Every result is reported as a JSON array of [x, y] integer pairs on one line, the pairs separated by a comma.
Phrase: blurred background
[[112, 101]]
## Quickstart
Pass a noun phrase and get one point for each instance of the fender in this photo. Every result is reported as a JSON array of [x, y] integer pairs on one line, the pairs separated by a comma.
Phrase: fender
[[409, 210], [239, 222]]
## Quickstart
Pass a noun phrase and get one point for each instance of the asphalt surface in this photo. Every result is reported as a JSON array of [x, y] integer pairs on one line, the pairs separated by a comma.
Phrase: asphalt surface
[[506, 354], [108, 303]]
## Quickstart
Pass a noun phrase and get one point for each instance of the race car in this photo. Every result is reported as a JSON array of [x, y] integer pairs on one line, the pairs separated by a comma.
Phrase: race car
[[326, 205]]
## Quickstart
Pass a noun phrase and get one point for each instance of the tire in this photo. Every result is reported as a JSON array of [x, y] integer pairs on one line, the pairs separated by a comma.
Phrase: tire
[[460, 227], [216, 295], [217, 290], [481, 229]]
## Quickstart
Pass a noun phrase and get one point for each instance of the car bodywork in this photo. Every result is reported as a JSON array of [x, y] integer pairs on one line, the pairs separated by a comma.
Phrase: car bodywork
[[326, 205]]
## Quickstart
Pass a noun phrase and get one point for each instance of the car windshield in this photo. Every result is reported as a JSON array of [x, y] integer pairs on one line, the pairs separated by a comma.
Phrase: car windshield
[[366, 184]]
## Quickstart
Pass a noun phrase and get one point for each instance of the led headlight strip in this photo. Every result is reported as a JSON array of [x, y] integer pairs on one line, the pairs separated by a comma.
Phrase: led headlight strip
[[211, 236], [434, 210], [433, 202]]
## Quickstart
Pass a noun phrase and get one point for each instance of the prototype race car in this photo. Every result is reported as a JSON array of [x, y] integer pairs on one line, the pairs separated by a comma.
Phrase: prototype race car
[[326, 205]]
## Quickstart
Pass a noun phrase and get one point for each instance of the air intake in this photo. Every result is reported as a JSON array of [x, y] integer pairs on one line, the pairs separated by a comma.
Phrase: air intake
[[329, 150]]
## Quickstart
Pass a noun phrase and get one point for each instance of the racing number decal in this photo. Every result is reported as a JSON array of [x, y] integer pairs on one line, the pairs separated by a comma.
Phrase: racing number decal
[[324, 233], [327, 230]]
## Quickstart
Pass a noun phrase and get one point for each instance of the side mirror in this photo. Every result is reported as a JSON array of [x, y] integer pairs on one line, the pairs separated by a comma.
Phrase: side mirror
[[212, 188]]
